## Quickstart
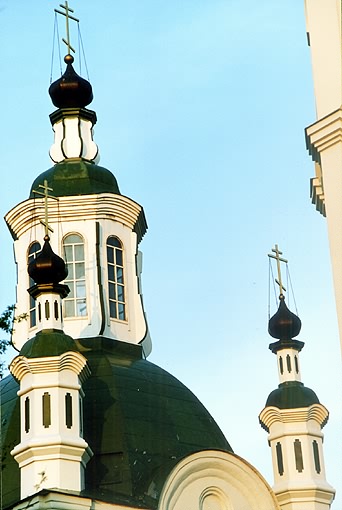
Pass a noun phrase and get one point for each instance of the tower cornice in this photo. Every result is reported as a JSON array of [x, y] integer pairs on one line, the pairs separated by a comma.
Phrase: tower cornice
[[29, 213], [74, 361], [324, 133], [270, 415]]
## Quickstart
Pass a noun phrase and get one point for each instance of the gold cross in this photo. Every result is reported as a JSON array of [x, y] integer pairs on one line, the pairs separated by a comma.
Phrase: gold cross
[[46, 196], [67, 17], [278, 259]]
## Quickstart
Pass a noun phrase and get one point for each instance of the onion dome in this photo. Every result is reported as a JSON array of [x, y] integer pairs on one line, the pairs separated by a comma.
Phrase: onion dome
[[47, 267], [71, 91], [284, 324]]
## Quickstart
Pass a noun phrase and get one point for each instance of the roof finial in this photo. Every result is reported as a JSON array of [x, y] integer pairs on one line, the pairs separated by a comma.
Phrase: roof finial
[[46, 196], [69, 57], [278, 259]]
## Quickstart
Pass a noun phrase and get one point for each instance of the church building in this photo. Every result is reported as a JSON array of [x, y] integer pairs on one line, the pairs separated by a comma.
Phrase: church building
[[324, 137], [87, 422]]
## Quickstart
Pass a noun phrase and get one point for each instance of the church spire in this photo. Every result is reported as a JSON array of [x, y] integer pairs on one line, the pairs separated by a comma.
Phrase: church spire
[[72, 122], [293, 417]]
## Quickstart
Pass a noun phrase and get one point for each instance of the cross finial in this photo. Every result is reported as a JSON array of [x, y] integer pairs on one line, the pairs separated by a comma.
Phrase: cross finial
[[278, 259], [46, 196], [67, 15]]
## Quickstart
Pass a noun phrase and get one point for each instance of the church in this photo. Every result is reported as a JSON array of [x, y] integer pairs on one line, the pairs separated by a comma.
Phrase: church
[[87, 421]]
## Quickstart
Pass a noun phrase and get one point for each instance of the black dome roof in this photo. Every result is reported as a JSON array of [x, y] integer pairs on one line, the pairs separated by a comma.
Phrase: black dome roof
[[47, 267], [291, 395], [70, 90], [284, 324], [138, 419]]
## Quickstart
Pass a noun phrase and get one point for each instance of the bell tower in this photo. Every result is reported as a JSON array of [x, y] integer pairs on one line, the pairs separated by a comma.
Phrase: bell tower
[[97, 229]]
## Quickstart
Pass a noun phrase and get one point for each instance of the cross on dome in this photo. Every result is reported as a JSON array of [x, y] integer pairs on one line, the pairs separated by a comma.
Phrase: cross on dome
[[278, 259], [46, 196], [67, 18]]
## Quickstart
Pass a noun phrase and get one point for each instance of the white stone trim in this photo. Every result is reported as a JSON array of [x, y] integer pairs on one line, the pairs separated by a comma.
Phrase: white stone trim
[[28, 214], [235, 482], [271, 415]]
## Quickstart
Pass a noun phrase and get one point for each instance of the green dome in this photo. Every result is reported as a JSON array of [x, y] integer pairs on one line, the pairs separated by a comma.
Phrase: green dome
[[77, 177], [10, 437], [291, 395], [138, 420], [49, 342]]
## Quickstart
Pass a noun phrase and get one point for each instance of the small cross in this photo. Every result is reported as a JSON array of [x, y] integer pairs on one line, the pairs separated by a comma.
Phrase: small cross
[[67, 17], [278, 259], [46, 196]]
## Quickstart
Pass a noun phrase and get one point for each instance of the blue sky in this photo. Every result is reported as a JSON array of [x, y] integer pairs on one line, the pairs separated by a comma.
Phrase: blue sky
[[201, 111]]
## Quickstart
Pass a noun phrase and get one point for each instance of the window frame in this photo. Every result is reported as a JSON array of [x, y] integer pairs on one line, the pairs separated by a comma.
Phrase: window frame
[[116, 279], [75, 263], [33, 309]]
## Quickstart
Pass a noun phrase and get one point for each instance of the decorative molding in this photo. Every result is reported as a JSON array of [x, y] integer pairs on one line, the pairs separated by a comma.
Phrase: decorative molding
[[323, 134], [271, 415], [71, 360], [29, 213]]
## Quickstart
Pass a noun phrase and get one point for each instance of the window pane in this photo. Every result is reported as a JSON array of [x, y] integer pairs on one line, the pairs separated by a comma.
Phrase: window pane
[[112, 309], [119, 275], [71, 286], [68, 253], [121, 311], [112, 291], [121, 293], [33, 318], [79, 252], [72, 239], [81, 308], [119, 257], [114, 241], [80, 289], [111, 276], [70, 268], [79, 269], [34, 249], [110, 255], [69, 308]]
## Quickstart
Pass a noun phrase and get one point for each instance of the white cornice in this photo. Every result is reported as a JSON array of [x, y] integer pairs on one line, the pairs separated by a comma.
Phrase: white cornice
[[70, 360], [324, 133], [29, 213], [316, 412]]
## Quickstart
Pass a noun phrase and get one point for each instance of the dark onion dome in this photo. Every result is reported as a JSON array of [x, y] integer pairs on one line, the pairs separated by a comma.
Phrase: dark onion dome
[[139, 420], [291, 395], [284, 324], [70, 90], [47, 267], [77, 177]]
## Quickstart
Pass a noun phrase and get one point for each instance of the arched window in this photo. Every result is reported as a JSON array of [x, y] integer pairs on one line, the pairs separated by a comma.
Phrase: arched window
[[116, 283], [33, 251], [75, 304]]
